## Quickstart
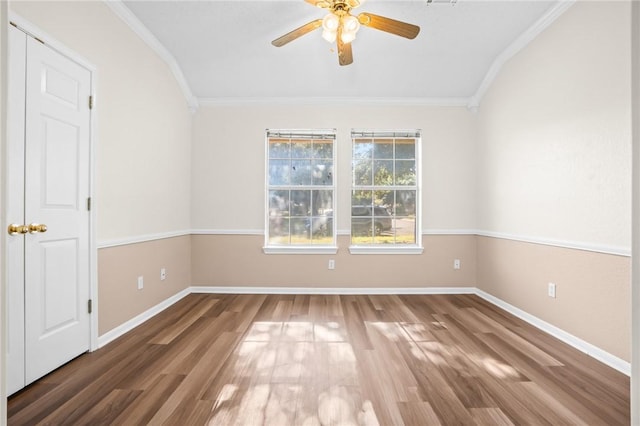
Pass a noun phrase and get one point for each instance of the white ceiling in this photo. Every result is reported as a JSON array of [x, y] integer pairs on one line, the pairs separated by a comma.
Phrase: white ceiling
[[223, 48]]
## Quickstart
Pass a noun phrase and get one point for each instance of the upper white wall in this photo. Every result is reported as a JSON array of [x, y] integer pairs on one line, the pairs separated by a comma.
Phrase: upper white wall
[[228, 163], [554, 146], [143, 123]]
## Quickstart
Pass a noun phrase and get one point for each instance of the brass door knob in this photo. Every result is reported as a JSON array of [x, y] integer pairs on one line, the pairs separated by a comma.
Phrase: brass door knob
[[34, 228], [15, 229]]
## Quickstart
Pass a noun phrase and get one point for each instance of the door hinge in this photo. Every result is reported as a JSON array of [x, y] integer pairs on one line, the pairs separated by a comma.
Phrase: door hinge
[[90, 102], [89, 203], [90, 306]]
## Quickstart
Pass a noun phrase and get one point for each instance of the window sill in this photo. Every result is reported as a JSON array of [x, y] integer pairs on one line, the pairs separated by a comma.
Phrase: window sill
[[386, 250], [300, 250]]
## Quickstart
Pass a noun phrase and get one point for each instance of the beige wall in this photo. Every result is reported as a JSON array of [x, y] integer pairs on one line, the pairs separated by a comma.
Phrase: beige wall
[[143, 123], [554, 153], [119, 299], [232, 260], [592, 289], [229, 168], [554, 146]]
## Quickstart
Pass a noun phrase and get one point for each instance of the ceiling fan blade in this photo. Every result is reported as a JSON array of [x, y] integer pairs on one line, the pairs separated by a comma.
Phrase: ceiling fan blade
[[298, 32], [320, 3], [345, 55], [389, 25]]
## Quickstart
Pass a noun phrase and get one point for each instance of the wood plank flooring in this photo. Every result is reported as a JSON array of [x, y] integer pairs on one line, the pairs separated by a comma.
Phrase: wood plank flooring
[[329, 360]]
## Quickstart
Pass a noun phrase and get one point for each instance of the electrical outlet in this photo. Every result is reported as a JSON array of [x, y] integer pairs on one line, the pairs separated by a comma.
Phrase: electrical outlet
[[551, 290], [140, 282], [163, 274], [456, 264], [332, 264]]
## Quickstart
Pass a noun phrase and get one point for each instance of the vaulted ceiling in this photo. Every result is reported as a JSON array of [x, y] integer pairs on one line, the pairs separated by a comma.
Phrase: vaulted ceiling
[[221, 50]]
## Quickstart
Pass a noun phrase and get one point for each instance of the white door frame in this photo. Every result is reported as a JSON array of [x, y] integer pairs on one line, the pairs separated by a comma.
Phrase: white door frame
[[51, 42], [4, 53]]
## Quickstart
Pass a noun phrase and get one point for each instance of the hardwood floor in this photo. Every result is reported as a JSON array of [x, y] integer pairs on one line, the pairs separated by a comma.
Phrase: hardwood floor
[[329, 360]]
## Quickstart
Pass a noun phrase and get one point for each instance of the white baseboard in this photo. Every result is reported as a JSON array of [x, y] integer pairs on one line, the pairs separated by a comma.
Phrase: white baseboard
[[332, 290], [581, 345], [113, 334]]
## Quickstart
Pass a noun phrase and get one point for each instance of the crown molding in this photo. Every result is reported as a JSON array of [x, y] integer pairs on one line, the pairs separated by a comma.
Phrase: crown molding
[[124, 13], [472, 103], [553, 13], [333, 101]]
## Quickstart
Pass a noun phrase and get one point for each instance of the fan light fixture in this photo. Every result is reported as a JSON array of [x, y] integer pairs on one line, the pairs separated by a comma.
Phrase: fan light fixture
[[348, 26], [330, 25], [340, 26]]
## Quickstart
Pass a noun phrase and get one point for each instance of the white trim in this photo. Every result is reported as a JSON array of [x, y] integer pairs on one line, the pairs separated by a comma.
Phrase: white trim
[[141, 239], [50, 41], [228, 232], [4, 86], [333, 290], [300, 250], [113, 334], [320, 101], [553, 13], [383, 249], [449, 232], [577, 343], [575, 245], [124, 13], [635, 212], [93, 216]]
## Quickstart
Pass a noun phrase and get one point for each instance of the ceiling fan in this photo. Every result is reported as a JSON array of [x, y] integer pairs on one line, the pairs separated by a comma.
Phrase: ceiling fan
[[341, 26]]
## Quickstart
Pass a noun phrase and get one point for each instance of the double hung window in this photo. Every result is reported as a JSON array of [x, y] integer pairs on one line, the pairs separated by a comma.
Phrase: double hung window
[[385, 197], [300, 191]]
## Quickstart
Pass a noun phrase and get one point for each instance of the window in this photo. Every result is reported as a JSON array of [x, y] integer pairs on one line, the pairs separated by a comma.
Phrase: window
[[385, 197], [300, 192]]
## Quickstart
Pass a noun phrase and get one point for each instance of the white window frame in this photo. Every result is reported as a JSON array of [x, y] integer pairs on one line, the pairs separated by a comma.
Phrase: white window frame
[[391, 248], [300, 248]]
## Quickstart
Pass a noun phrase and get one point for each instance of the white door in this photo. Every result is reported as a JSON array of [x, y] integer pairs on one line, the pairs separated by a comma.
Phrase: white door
[[56, 278]]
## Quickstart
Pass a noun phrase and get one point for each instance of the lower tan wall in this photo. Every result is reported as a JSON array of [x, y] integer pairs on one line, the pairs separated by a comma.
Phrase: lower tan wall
[[119, 299], [593, 289], [238, 260]]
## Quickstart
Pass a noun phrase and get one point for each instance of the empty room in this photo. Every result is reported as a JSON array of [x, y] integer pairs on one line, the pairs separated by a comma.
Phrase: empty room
[[320, 212]]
